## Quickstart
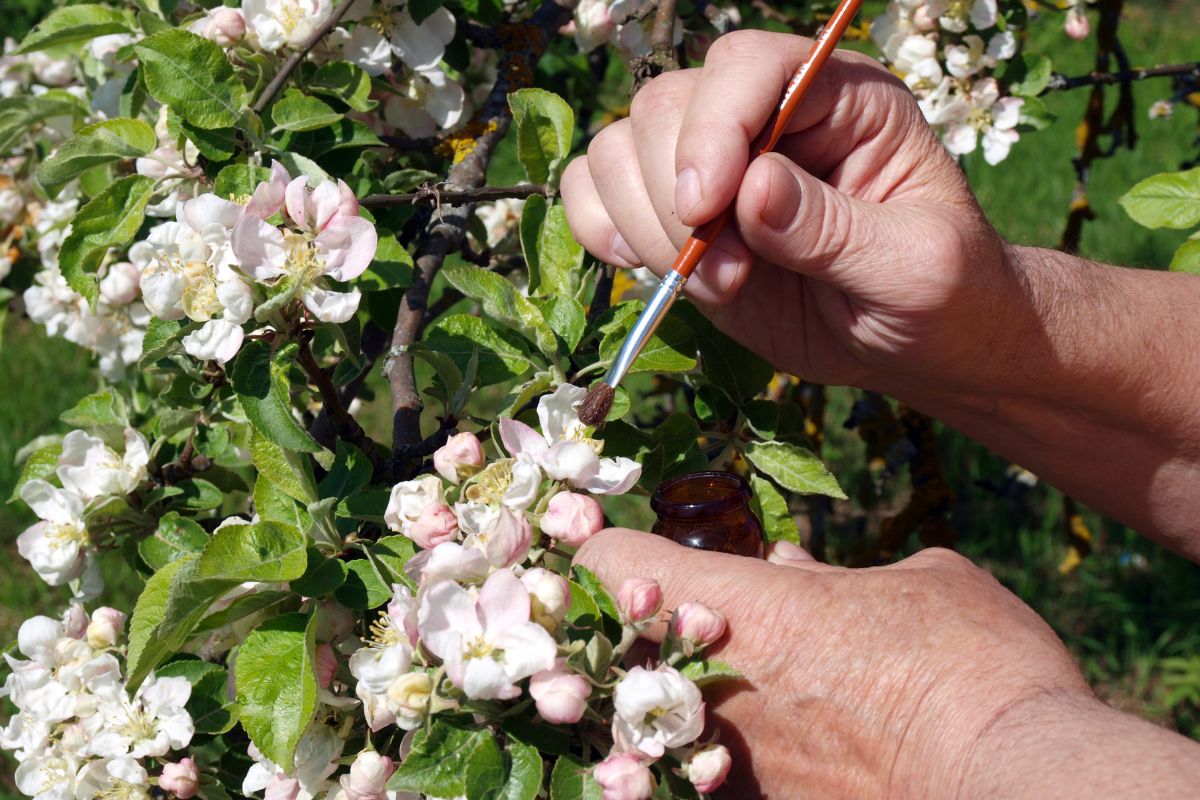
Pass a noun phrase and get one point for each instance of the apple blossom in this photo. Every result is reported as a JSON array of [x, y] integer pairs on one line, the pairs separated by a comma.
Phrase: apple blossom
[[549, 596], [656, 709], [90, 468], [426, 101], [315, 760], [223, 25], [489, 643], [274, 24], [106, 627], [1077, 25], [696, 626], [152, 723], [416, 509], [461, 456], [639, 599], [506, 539], [708, 767], [408, 698], [623, 777], [326, 665], [58, 547], [368, 776], [572, 518], [181, 779], [560, 695]]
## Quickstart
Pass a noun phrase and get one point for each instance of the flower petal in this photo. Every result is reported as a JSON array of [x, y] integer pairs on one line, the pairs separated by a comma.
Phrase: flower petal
[[616, 476], [520, 438], [259, 248], [348, 245], [330, 306], [218, 340]]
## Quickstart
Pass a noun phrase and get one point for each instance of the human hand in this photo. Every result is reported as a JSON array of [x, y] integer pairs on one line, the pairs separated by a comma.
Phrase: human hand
[[882, 682], [859, 253]]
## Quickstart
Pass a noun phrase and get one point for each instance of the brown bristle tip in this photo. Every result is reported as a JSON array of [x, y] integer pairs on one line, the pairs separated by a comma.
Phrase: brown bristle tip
[[595, 407]]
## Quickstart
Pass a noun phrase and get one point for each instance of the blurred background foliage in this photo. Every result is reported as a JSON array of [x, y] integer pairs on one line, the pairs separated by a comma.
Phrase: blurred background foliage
[[1124, 606]]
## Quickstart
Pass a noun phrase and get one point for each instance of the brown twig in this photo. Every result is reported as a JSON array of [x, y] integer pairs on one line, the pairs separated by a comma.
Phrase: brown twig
[[295, 58], [521, 45], [1059, 82], [186, 464], [344, 424], [448, 197], [662, 56]]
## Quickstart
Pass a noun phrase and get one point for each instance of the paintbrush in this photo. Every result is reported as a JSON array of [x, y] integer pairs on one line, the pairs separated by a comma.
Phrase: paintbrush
[[598, 402]]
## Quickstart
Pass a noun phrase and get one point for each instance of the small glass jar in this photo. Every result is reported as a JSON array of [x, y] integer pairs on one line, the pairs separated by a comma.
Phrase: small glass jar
[[708, 511]]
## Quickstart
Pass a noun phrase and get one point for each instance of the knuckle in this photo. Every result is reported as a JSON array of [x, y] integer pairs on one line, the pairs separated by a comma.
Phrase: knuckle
[[942, 558], [608, 142], [669, 90], [738, 45], [574, 176]]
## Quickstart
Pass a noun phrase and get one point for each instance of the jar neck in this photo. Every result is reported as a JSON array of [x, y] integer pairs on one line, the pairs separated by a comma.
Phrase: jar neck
[[699, 495]]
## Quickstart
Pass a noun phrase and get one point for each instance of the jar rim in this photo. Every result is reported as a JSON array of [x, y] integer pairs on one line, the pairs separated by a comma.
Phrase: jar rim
[[737, 494]]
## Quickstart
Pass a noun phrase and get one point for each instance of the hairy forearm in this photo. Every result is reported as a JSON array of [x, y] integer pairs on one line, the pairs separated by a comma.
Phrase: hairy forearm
[[1093, 386], [1062, 747]]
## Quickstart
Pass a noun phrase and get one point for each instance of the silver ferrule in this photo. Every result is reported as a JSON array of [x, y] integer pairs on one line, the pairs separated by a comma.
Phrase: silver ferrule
[[647, 323]]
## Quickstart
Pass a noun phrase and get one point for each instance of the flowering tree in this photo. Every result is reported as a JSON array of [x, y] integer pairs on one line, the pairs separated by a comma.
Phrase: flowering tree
[[243, 212]]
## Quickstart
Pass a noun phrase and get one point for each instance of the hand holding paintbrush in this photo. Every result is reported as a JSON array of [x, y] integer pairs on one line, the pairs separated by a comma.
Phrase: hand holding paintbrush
[[598, 402]]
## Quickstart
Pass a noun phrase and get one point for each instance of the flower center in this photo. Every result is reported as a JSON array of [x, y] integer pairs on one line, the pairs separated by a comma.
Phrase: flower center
[[491, 484], [384, 633], [480, 648], [66, 533], [199, 291], [303, 259]]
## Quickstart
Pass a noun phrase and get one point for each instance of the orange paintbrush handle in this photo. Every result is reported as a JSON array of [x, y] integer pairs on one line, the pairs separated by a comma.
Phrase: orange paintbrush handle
[[798, 86]]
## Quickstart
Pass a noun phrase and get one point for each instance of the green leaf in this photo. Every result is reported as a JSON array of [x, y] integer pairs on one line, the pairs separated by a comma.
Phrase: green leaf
[[583, 611], [199, 494], [216, 144], [277, 684], [287, 471], [544, 125], [19, 115], [485, 773], [346, 82], [390, 554], [795, 468], [1028, 74], [560, 257], [524, 773], [296, 111], [502, 302], [533, 217], [176, 537], [572, 780], [672, 348], [1187, 258], [167, 611], [725, 363], [501, 357], [163, 338], [245, 606], [239, 180], [392, 268], [566, 317], [708, 670], [595, 587], [110, 219], [1166, 200], [40, 465], [321, 575], [363, 588], [193, 77], [438, 761], [368, 506], [211, 713], [261, 382], [351, 472], [99, 143], [1034, 115], [101, 408], [267, 551], [772, 510], [76, 23]]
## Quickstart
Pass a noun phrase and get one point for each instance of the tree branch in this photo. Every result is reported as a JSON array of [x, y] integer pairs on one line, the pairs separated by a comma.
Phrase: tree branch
[[522, 44], [435, 195], [344, 425], [1059, 82], [295, 58], [662, 47]]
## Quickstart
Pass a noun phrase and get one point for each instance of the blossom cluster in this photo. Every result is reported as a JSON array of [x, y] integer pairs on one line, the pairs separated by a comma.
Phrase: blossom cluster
[[60, 547], [945, 51], [77, 733]]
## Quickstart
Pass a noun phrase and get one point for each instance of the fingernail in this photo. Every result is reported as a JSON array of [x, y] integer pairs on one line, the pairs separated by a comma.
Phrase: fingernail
[[687, 193], [792, 552], [722, 270], [783, 198], [623, 251]]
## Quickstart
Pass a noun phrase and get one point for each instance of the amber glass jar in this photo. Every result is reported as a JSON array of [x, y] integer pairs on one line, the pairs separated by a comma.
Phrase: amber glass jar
[[708, 511]]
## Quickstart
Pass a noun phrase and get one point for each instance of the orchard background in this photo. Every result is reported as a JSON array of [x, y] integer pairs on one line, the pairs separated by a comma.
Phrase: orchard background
[[1125, 607]]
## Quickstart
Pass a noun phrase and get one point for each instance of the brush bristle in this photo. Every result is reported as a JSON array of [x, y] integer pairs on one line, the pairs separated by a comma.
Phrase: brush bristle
[[596, 405]]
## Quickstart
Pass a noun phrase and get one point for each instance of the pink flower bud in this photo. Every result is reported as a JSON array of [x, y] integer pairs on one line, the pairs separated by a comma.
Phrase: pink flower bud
[[436, 524], [181, 779], [623, 777], [639, 599], [326, 665], [572, 518], [75, 622], [923, 20], [368, 776], [696, 625], [1077, 25], [105, 628], [120, 285], [334, 621], [508, 540], [709, 767], [225, 26], [549, 596], [282, 787], [560, 695], [459, 457]]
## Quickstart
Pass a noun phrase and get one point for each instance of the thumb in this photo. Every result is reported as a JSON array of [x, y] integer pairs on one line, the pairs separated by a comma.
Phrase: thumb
[[723, 582], [798, 221]]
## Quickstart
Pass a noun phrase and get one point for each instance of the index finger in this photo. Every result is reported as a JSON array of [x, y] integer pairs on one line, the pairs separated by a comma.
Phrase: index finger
[[739, 89]]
